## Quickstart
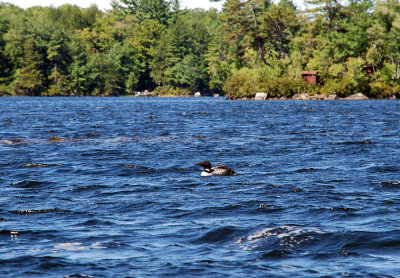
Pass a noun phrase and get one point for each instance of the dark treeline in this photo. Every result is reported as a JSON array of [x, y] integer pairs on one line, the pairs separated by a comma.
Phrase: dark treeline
[[250, 46]]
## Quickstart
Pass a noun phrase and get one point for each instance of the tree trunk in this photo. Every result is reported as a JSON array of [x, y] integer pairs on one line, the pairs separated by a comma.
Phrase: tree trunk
[[259, 40], [55, 74]]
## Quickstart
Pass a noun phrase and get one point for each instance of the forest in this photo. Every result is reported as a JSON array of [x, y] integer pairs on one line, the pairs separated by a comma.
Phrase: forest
[[249, 46]]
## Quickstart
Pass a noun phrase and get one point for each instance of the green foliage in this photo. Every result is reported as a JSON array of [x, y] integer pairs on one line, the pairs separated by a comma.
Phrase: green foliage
[[242, 83], [169, 91], [6, 65], [387, 72], [58, 54], [158, 10], [355, 70], [246, 82], [344, 87], [336, 70], [250, 46], [285, 86], [28, 80], [280, 25], [180, 54], [155, 10], [383, 90], [351, 39], [71, 17]]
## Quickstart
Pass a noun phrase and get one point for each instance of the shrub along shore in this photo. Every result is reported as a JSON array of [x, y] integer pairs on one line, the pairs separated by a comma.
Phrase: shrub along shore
[[249, 46]]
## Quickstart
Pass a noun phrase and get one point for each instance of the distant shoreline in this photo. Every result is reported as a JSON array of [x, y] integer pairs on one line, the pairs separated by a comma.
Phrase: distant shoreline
[[311, 98], [304, 96]]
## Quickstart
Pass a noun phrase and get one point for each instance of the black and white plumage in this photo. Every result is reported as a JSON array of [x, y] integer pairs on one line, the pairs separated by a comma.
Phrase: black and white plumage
[[217, 170]]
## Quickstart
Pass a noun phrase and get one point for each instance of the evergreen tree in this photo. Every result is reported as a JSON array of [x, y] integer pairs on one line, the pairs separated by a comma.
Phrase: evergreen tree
[[236, 26], [158, 10], [29, 78], [351, 40], [384, 35], [6, 66], [58, 54], [280, 25], [155, 10], [71, 17], [180, 54], [329, 10]]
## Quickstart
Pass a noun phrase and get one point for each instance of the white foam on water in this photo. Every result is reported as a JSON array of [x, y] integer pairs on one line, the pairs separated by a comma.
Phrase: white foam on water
[[285, 235], [77, 246]]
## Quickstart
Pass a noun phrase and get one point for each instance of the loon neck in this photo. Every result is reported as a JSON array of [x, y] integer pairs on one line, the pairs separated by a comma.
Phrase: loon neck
[[206, 173]]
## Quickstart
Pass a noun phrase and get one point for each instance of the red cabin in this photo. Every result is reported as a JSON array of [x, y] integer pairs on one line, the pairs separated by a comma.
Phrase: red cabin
[[310, 77]]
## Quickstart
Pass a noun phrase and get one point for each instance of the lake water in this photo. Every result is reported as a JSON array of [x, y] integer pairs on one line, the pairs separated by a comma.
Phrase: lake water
[[108, 187]]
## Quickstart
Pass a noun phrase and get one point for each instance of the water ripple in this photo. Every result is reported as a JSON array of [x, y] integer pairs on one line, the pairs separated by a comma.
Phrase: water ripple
[[108, 187]]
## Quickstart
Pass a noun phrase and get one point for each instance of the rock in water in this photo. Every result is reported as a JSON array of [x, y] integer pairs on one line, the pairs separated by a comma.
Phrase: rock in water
[[260, 96], [358, 96]]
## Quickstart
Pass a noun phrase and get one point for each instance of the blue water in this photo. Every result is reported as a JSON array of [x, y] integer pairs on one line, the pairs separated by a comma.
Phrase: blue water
[[107, 187]]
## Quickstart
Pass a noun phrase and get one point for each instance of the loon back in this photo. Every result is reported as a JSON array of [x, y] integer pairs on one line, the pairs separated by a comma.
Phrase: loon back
[[222, 170]]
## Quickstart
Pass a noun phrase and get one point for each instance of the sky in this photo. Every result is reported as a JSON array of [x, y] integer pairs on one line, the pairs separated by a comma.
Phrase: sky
[[105, 4]]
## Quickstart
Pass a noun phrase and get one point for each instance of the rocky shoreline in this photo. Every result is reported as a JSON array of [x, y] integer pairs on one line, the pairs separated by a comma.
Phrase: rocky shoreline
[[263, 96]]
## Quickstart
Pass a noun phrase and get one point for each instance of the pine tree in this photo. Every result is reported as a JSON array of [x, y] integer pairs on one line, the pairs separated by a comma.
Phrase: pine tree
[[58, 54], [329, 9], [280, 24], [29, 79], [154, 9]]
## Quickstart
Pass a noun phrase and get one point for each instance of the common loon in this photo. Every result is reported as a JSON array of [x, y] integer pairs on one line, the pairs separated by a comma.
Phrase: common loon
[[217, 170]]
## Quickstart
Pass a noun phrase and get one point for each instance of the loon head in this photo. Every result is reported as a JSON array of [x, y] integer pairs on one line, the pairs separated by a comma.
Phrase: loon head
[[207, 168], [205, 164]]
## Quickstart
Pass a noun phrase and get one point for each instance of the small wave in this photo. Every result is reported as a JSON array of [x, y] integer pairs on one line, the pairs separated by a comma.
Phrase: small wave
[[28, 184], [202, 113], [199, 137], [385, 242], [150, 170], [77, 246], [281, 232], [181, 169], [390, 184], [384, 169], [130, 166], [38, 211], [345, 212], [88, 187], [12, 141], [305, 170], [278, 238], [36, 262], [122, 139], [276, 254], [218, 235], [96, 222], [194, 114], [9, 233], [54, 139], [78, 276], [40, 165], [7, 163], [92, 134], [142, 169], [360, 142]]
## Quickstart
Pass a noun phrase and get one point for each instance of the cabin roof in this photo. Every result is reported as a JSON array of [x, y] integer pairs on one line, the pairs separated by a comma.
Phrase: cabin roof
[[313, 72]]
